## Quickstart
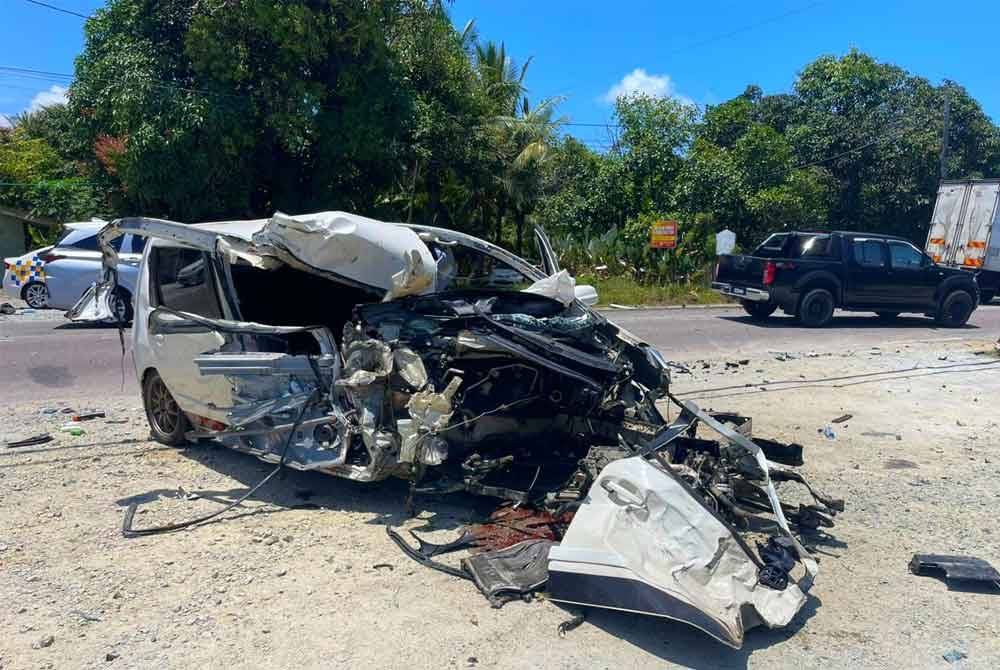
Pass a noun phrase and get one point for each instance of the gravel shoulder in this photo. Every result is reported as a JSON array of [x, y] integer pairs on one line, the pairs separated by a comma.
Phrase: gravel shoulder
[[290, 579]]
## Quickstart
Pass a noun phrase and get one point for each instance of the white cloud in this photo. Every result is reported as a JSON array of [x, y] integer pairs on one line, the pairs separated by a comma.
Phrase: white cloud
[[638, 81], [5, 121], [54, 96]]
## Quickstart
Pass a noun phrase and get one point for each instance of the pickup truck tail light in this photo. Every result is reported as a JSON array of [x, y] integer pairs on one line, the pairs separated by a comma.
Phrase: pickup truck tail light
[[769, 271]]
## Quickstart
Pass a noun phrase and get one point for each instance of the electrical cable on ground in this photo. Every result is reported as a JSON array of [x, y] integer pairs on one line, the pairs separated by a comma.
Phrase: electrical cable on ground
[[128, 531]]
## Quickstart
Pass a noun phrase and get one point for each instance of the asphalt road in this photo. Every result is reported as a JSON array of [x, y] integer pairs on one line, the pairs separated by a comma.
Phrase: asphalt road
[[42, 358]]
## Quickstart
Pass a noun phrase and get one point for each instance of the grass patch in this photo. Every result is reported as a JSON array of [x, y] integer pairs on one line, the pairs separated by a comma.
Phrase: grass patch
[[626, 291]]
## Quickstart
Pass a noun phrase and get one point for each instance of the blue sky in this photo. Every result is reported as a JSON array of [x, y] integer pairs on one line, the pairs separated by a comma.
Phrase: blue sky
[[706, 52]]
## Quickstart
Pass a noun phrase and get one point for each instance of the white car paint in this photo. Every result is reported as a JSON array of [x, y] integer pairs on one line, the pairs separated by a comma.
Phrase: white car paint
[[75, 264]]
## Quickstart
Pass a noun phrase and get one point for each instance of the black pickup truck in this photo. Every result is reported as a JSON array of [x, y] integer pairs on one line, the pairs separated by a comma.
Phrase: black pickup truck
[[809, 275]]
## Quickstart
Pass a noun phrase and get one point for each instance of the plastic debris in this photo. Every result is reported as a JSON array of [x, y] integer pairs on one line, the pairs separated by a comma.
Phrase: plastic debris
[[30, 441], [88, 417], [828, 433], [954, 656]]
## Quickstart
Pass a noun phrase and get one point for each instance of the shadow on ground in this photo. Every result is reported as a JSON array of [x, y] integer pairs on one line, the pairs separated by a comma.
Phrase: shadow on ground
[[854, 322], [93, 325], [686, 646]]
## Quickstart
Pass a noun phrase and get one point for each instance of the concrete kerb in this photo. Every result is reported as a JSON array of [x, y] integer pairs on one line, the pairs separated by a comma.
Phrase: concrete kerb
[[627, 308]]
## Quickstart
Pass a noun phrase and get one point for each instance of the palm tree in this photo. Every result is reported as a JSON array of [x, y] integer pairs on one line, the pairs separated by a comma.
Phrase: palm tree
[[501, 79], [529, 135]]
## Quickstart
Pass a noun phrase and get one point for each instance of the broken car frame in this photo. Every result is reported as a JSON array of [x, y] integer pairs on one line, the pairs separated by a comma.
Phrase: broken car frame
[[399, 359]]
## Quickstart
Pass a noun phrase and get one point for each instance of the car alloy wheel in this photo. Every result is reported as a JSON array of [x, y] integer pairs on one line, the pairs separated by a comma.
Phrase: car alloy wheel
[[36, 295]]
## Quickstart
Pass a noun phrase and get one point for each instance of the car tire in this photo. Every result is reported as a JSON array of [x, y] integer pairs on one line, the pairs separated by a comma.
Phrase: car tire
[[816, 308], [955, 310], [121, 306], [167, 422], [887, 316], [36, 294], [758, 310], [986, 297]]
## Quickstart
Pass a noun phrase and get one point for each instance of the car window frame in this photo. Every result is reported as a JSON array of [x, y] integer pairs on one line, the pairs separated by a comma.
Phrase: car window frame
[[883, 251], [924, 260], [156, 294]]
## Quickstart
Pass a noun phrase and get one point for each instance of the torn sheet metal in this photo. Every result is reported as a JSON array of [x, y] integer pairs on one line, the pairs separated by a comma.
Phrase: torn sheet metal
[[641, 542], [371, 252]]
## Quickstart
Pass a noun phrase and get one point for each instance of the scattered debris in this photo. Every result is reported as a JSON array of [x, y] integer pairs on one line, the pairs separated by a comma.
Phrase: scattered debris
[[954, 655], [512, 573], [828, 433], [30, 441], [843, 418], [7, 308], [572, 624], [899, 464], [959, 568], [43, 642], [89, 417]]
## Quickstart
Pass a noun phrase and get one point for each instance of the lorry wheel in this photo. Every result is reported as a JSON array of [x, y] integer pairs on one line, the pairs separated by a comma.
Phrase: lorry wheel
[[167, 422], [955, 310], [986, 297], [816, 308], [758, 310], [36, 294]]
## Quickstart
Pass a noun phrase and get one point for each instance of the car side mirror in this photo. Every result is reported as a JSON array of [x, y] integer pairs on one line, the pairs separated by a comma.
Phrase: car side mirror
[[586, 294]]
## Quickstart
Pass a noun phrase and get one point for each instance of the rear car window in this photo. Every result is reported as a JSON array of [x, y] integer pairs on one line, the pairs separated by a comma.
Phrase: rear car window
[[817, 246], [85, 240], [868, 253], [183, 281], [772, 246]]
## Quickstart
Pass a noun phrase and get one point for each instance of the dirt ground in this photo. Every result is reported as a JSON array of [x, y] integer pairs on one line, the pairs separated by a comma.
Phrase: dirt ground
[[303, 575]]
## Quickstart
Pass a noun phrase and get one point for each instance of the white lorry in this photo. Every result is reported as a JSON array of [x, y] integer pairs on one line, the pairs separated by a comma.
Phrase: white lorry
[[965, 231]]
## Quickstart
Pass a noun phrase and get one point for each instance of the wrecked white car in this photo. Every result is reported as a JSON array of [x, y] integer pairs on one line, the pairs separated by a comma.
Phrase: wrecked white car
[[364, 349]]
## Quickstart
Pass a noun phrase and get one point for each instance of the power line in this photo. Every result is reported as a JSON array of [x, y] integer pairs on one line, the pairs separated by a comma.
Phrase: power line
[[747, 28], [57, 9]]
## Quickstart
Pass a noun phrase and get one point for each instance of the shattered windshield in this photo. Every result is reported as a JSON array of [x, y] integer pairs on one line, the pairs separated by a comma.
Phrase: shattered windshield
[[461, 267]]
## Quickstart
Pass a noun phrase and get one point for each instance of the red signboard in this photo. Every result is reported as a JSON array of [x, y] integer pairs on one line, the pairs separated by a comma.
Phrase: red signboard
[[663, 235]]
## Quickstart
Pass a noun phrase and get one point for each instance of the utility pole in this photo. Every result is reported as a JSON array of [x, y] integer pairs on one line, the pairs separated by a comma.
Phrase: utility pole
[[944, 133]]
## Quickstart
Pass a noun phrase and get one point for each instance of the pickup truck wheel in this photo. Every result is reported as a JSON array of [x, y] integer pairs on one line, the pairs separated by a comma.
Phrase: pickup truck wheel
[[816, 308], [956, 308], [758, 310], [167, 422], [986, 297]]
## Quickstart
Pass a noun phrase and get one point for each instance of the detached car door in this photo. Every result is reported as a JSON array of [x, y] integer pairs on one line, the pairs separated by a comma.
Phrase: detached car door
[[183, 280]]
